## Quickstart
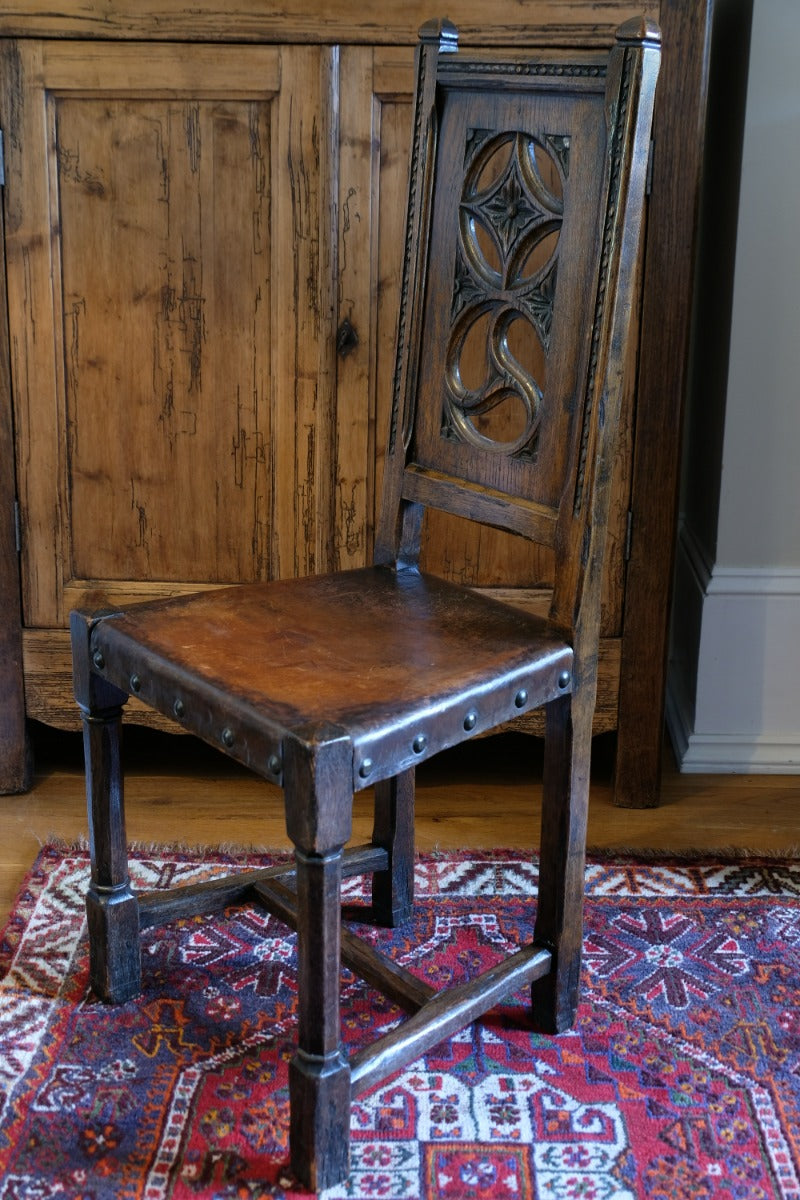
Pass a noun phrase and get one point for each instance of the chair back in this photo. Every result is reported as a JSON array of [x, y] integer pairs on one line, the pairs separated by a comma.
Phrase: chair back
[[526, 197]]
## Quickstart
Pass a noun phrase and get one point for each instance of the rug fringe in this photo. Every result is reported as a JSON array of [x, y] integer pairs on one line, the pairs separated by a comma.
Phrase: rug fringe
[[231, 849], [724, 854], [691, 854]]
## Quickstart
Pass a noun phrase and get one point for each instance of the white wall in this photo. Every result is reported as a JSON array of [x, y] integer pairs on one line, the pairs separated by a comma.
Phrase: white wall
[[734, 682]]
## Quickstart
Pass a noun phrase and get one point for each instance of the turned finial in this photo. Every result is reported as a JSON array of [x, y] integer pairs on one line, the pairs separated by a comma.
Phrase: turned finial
[[639, 30], [440, 31]]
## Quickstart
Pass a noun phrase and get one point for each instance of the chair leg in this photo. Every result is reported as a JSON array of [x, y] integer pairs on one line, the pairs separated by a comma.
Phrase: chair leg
[[318, 794], [111, 907], [559, 914], [393, 890], [319, 1075]]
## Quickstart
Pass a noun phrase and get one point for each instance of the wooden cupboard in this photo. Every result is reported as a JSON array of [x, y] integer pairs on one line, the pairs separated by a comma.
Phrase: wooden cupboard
[[203, 215]]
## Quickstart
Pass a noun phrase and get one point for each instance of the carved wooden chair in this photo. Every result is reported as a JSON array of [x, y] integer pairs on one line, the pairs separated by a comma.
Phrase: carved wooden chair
[[526, 198]]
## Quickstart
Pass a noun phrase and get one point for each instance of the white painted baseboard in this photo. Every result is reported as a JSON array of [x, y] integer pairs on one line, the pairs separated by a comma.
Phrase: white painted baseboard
[[741, 714]]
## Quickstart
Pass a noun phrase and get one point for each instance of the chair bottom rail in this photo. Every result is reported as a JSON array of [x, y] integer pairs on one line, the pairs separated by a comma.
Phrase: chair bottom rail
[[434, 1016], [212, 895], [445, 1014], [392, 980]]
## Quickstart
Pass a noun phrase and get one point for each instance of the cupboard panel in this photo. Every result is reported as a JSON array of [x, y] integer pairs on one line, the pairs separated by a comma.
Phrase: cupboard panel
[[165, 250], [171, 355]]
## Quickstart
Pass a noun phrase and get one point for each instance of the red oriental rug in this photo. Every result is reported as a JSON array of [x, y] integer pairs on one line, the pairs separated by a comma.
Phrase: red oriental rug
[[681, 1078]]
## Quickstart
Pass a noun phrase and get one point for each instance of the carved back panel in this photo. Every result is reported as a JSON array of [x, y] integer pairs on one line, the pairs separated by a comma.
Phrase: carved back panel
[[526, 197]]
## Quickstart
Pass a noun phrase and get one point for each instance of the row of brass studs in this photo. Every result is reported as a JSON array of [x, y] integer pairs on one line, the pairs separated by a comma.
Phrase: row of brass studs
[[227, 737], [420, 742]]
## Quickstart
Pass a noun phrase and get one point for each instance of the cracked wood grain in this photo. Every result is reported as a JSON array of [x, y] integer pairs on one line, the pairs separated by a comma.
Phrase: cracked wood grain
[[302, 411], [162, 366]]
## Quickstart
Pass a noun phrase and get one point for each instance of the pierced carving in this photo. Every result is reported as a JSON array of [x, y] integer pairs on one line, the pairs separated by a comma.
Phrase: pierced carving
[[510, 218], [558, 145], [475, 139]]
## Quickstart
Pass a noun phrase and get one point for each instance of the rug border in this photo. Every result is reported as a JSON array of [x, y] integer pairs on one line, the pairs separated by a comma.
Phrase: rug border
[[594, 853], [53, 849]]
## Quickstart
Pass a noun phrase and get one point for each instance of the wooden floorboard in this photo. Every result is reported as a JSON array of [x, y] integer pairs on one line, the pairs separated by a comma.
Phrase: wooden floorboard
[[484, 794]]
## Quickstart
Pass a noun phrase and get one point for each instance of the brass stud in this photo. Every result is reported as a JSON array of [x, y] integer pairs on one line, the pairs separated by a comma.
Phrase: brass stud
[[179, 708], [228, 738], [564, 680], [98, 660], [274, 764], [521, 698], [365, 770], [419, 743], [470, 720], [136, 683]]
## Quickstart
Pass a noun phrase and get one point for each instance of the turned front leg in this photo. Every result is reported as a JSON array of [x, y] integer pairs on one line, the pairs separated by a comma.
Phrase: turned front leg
[[111, 907], [319, 1074], [319, 801], [559, 911]]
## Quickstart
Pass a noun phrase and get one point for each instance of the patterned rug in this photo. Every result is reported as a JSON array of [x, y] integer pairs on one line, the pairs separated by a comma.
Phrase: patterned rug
[[681, 1078]]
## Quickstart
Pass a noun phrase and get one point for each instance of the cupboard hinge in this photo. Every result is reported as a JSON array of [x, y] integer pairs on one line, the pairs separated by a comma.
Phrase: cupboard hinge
[[648, 183], [2, 161], [628, 534], [17, 526]]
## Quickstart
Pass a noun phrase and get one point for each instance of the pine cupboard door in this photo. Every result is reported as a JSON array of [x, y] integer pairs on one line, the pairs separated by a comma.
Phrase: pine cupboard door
[[376, 87], [170, 229], [375, 133]]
